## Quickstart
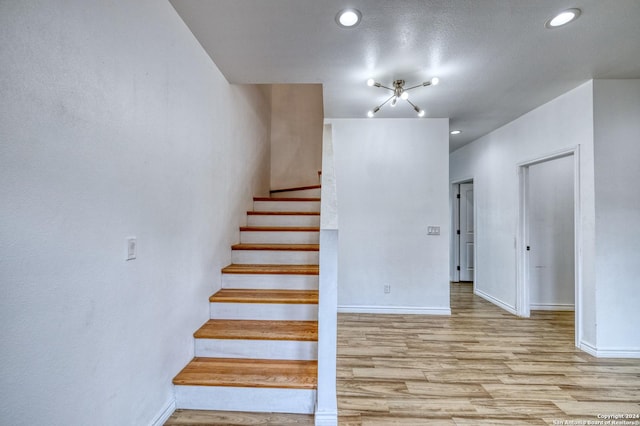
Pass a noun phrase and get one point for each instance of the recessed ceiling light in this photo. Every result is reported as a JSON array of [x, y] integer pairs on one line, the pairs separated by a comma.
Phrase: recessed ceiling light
[[562, 18], [348, 18], [456, 132]]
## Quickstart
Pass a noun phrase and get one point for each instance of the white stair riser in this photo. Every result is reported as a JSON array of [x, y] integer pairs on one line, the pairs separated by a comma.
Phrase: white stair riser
[[270, 281], [257, 349], [220, 398], [283, 220], [264, 311], [274, 257], [286, 206], [302, 193], [276, 237]]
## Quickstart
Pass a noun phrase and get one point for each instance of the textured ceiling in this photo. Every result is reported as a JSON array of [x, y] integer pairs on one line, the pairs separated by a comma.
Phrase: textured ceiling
[[495, 59]]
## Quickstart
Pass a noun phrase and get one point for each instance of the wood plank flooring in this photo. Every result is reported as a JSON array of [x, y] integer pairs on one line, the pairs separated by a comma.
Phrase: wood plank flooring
[[480, 366]]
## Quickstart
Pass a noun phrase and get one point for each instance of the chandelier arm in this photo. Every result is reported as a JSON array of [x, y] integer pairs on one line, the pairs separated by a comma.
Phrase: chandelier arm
[[414, 87], [384, 87], [382, 104], [416, 108], [412, 104]]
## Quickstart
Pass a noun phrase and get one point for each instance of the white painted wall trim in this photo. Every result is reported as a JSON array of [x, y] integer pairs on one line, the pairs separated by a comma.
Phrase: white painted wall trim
[[552, 307], [609, 352], [165, 412], [618, 353], [497, 302], [326, 418], [522, 282], [403, 310], [454, 190], [588, 348]]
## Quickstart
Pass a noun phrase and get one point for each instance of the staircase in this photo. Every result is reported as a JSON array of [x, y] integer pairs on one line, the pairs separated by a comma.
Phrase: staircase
[[258, 352]]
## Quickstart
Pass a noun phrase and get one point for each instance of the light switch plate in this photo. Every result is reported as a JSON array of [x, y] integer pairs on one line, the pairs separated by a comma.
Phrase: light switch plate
[[433, 230]]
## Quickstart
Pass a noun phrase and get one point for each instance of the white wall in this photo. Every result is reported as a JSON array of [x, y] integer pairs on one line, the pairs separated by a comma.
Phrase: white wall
[[617, 153], [391, 177], [297, 117], [551, 234], [492, 161], [113, 122]]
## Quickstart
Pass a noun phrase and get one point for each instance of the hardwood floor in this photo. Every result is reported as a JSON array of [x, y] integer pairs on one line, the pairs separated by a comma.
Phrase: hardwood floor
[[480, 366]]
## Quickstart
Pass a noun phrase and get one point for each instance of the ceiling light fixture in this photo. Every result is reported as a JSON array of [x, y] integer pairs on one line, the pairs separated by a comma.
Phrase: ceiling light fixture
[[348, 18], [456, 132], [400, 92], [562, 18]]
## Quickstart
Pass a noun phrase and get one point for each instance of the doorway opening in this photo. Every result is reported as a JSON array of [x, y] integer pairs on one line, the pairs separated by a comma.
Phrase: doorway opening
[[547, 248], [463, 232]]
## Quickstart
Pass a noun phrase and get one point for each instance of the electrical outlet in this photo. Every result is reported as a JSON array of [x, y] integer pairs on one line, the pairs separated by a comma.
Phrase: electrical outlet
[[132, 248], [433, 230], [387, 288]]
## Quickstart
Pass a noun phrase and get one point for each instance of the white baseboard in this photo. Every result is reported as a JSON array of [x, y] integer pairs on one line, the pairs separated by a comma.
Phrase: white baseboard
[[404, 310], [165, 412], [326, 418], [497, 302], [552, 307], [609, 352], [588, 348]]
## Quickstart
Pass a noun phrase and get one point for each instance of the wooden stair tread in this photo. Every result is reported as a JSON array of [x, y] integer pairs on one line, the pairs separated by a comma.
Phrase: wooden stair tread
[[272, 213], [253, 373], [230, 295], [280, 228], [271, 269], [276, 247], [301, 331], [297, 188], [286, 199]]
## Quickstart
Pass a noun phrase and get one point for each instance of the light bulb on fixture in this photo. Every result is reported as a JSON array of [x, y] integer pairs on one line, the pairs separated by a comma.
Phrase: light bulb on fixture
[[371, 82], [370, 114], [405, 95], [421, 113], [394, 101], [435, 81]]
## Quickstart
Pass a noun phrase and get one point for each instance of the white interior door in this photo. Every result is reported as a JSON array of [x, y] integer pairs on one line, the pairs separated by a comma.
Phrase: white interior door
[[466, 232], [551, 235]]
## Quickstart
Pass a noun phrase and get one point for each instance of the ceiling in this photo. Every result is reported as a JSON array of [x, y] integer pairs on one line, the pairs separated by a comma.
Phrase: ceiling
[[495, 58]]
